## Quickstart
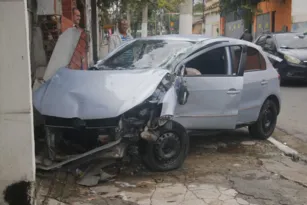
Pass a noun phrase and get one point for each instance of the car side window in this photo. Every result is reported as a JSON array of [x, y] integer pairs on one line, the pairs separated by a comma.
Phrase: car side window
[[269, 44], [213, 62], [261, 41], [254, 60]]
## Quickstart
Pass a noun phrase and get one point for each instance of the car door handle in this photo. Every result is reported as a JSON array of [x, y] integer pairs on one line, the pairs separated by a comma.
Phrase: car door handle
[[264, 82], [233, 92]]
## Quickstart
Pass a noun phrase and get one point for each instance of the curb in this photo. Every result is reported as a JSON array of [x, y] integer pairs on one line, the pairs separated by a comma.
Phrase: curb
[[284, 148], [287, 150]]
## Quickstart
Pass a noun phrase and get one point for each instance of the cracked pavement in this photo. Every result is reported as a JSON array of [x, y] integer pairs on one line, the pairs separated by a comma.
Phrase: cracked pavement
[[227, 169]]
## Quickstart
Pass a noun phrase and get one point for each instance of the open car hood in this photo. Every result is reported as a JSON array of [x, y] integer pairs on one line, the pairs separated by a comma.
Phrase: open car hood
[[95, 94]]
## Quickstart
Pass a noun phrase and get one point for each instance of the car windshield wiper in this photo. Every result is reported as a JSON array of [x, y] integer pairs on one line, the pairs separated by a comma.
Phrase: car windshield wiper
[[286, 47], [103, 67]]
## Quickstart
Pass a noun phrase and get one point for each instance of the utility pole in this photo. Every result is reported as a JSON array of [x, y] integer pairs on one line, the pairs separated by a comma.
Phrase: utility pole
[[129, 18], [169, 23], [144, 20], [186, 17], [204, 20]]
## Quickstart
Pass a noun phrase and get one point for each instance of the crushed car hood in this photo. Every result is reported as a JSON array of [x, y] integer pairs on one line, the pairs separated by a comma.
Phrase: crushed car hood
[[95, 94]]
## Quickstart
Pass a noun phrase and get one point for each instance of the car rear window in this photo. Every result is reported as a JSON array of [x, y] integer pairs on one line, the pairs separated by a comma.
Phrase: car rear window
[[254, 60]]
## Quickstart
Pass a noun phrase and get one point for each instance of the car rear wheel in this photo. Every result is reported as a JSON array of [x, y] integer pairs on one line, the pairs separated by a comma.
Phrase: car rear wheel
[[266, 123], [170, 149]]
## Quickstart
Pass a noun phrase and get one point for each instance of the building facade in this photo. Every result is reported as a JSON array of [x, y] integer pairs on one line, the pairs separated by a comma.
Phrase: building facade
[[212, 18], [271, 16], [275, 16]]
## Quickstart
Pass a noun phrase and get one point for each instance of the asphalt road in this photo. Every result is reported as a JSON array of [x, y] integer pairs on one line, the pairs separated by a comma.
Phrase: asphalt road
[[293, 116]]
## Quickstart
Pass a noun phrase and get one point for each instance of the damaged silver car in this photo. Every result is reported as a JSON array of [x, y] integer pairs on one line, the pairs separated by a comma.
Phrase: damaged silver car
[[144, 96]]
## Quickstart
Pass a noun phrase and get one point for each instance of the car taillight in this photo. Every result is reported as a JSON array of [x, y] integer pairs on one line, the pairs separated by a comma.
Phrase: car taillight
[[278, 77]]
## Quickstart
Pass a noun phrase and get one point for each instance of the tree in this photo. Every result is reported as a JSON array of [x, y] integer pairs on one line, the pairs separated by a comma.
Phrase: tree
[[198, 8], [136, 7], [246, 9]]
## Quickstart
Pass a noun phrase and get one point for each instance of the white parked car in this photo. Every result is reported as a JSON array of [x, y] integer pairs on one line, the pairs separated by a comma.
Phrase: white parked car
[[149, 92]]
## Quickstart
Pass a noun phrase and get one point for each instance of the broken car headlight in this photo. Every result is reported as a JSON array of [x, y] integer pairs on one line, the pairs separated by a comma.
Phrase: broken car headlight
[[292, 59], [162, 88]]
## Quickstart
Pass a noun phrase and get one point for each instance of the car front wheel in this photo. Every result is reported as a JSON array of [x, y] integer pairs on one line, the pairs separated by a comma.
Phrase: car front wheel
[[266, 123], [170, 149]]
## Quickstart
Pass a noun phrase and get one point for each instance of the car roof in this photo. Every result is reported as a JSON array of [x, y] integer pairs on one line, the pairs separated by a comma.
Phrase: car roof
[[199, 38], [179, 37], [281, 32]]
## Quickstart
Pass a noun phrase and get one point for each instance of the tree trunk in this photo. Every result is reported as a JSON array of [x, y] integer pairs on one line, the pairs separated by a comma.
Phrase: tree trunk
[[145, 21]]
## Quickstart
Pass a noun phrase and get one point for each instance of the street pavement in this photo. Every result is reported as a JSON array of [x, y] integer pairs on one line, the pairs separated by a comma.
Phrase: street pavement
[[293, 116], [291, 126]]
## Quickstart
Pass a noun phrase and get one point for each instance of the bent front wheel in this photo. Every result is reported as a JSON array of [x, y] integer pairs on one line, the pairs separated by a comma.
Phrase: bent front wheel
[[170, 149]]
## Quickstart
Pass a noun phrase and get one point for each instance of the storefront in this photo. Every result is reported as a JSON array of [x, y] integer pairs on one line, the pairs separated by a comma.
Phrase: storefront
[[274, 16]]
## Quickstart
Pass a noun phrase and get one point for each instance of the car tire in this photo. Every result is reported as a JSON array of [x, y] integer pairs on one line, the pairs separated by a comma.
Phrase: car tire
[[266, 123], [158, 157]]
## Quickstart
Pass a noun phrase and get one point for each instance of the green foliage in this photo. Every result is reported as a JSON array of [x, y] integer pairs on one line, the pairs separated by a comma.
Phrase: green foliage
[[135, 7], [199, 7], [248, 9], [170, 5]]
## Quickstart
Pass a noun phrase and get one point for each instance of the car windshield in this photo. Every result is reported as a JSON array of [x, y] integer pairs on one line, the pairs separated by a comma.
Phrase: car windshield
[[292, 41], [142, 54]]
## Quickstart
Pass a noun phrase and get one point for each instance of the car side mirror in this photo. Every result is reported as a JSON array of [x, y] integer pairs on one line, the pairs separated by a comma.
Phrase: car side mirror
[[183, 93], [182, 71]]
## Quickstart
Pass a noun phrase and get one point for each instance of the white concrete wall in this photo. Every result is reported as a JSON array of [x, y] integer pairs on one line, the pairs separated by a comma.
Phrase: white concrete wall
[[17, 161], [49, 7], [212, 22], [98, 32]]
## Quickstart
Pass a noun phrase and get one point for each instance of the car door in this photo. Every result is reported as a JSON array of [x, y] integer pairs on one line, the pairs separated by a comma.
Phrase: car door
[[214, 99], [255, 85]]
